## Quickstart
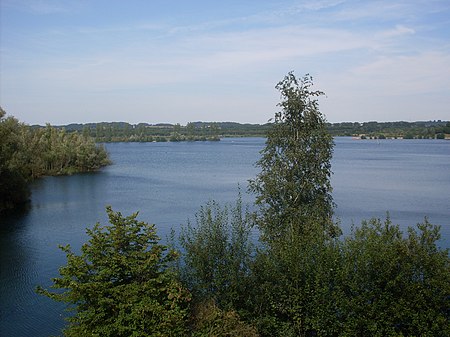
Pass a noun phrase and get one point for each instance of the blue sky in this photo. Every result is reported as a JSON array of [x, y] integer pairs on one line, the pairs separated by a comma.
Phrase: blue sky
[[178, 61]]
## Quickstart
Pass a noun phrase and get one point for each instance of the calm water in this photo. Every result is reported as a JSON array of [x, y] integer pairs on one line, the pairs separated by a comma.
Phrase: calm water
[[167, 182]]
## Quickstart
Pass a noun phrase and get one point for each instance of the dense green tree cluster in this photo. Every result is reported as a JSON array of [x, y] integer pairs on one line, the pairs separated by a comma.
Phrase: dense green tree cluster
[[202, 131], [64, 153], [28, 153], [144, 132], [300, 279], [375, 282], [218, 253], [121, 284], [14, 176], [303, 279], [382, 130]]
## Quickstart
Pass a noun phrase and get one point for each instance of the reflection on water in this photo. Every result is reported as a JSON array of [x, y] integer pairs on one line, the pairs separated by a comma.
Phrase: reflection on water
[[167, 182]]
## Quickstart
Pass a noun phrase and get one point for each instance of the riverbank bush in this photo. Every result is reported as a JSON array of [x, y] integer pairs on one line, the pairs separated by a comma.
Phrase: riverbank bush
[[377, 281], [27, 153]]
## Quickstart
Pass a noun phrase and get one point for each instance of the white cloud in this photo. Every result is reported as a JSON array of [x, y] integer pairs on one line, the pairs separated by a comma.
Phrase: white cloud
[[399, 30], [415, 87], [401, 75], [363, 55]]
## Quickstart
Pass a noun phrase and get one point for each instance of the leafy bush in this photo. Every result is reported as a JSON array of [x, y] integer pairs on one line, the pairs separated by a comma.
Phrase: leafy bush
[[210, 320], [217, 253], [390, 285], [120, 285]]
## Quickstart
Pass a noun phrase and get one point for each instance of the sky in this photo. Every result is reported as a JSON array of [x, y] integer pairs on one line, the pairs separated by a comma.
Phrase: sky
[[179, 61]]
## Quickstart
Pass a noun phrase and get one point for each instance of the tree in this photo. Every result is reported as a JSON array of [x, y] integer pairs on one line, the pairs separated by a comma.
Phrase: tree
[[121, 285], [217, 254], [293, 192], [293, 292], [293, 188], [447, 128], [190, 129], [14, 162], [389, 284]]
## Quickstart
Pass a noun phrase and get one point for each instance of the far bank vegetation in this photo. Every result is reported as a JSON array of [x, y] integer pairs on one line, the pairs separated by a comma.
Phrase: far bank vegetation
[[212, 131], [29, 153]]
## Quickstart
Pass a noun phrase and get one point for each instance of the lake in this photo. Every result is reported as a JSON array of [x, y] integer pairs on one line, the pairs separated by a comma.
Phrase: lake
[[168, 182]]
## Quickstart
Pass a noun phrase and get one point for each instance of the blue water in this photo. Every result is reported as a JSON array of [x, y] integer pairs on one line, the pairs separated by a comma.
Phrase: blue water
[[408, 178], [168, 182]]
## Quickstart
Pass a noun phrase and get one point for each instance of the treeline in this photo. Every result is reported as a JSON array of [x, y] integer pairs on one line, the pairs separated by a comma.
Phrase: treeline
[[144, 132], [124, 132], [301, 278], [207, 131], [28, 153], [382, 130]]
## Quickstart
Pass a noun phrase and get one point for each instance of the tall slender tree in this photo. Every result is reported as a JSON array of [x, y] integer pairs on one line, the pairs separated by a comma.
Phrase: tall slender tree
[[293, 188], [293, 192]]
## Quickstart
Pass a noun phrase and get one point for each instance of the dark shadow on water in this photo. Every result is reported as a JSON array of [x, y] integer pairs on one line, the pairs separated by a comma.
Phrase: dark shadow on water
[[12, 216]]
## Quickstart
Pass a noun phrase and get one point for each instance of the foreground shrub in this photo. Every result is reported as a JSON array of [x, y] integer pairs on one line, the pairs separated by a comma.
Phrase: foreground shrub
[[393, 285], [209, 320], [217, 254], [120, 284]]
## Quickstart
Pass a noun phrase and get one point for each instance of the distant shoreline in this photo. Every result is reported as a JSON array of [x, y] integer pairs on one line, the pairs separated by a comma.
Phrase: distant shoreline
[[106, 132]]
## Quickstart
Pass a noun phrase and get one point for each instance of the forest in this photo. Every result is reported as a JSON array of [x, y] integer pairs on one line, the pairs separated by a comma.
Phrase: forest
[[28, 153], [381, 130], [300, 277], [202, 131]]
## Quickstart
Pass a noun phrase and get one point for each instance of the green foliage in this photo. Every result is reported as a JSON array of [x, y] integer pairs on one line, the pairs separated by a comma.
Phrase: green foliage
[[308, 283], [370, 130], [217, 253], [294, 286], [293, 191], [446, 129], [144, 132], [14, 176], [375, 282], [65, 153], [293, 188], [209, 320], [27, 153], [120, 285], [390, 285], [301, 281], [201, 131]]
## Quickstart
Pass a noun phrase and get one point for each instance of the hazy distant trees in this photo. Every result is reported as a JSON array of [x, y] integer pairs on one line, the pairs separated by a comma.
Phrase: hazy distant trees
[[201, 131], [28, 153], [406, 130], [143, 132]]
